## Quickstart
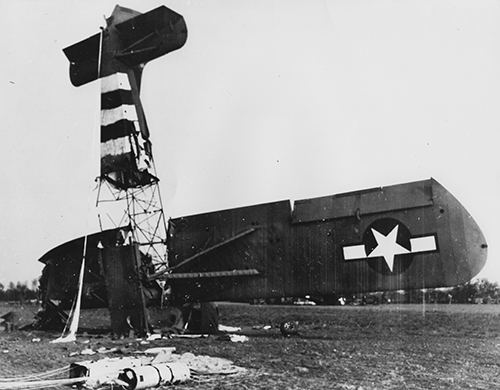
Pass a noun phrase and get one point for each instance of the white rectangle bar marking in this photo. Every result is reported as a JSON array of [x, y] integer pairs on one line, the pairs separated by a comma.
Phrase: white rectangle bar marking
[[115, 147], [354, 252], [423, 244], [126, 111], [114, 82]]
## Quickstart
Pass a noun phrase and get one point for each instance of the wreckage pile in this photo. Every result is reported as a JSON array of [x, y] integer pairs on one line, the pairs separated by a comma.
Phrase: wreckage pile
[[151, 368]]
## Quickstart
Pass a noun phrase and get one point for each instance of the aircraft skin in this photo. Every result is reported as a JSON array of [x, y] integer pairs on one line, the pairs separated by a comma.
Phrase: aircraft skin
[[59, 280], [406, 236]]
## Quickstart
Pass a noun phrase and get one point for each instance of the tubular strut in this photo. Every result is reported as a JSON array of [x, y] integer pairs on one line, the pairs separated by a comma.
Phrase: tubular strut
[[203, 252]]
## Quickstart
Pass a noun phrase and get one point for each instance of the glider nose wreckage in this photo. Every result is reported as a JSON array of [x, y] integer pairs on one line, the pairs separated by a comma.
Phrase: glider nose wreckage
[[407, 236]]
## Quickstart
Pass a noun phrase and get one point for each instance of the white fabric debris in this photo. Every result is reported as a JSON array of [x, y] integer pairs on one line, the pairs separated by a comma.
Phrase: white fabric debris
[[189, 336], [237, 338], [207, 365], [155, 336], [157, 350], [224, 328]]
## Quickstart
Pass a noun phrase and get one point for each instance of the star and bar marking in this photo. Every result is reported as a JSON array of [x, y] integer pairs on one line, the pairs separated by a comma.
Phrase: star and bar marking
[[388, 247]]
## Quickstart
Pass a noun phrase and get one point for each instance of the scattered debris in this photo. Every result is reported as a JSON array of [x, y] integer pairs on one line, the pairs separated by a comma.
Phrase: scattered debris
[[203, 318], [189, 336], [207, 365], [50, 317], [153, 368], [230, 329], [155, 375], [9, 321], [289, 328], [264, 327], [105, 350], [236, 338], [161, 354], [157, 367], [103, 371], [155, 336], [158, 350]]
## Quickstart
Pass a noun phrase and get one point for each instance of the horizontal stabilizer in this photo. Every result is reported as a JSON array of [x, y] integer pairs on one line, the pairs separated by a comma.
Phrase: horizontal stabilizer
[[130, 40], [151, 35], [84, 60]]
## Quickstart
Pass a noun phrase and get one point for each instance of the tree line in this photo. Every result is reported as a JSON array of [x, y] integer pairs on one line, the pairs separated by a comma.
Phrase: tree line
[[475, 291], [19, 292], [478, 291]]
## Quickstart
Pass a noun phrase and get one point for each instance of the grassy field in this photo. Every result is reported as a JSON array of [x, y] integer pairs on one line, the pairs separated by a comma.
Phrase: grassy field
[[369, 347]]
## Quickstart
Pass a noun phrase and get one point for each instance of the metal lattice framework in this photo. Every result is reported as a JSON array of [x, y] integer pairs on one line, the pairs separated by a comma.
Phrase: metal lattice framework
[[129, 194], [139, 208]]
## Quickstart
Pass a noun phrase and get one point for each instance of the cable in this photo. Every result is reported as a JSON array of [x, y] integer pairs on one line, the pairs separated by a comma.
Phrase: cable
[[45, 374], [40, 384]]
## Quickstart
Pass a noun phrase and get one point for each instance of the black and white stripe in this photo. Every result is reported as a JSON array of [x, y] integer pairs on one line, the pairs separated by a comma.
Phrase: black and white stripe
[[122, 146]]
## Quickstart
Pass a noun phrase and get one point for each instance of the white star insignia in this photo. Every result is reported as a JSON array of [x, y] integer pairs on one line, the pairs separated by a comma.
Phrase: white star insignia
[[387, 246]]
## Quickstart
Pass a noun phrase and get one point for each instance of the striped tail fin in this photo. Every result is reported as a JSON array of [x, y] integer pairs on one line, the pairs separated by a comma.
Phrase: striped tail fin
[[117, 56], [126, 159]]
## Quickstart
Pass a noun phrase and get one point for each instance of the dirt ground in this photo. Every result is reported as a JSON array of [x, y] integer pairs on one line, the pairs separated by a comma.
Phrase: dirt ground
[[362, 347]]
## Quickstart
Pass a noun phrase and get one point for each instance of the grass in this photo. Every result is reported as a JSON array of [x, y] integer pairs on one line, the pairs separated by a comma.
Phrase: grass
[[370, 347]]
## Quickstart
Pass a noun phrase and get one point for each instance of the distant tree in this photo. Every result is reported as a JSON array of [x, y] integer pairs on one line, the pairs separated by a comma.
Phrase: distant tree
[[487, 290], [20, 294], [481, 289], [464, 293], [19, 291]]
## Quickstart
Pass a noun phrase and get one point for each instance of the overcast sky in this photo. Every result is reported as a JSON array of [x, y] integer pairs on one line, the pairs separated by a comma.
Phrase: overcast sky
[[268, 100]]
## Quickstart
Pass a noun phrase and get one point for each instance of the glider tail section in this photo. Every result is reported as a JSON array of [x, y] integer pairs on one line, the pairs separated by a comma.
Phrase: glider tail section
[[117, 56]]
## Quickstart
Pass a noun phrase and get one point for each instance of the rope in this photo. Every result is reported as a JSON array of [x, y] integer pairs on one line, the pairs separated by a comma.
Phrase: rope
[[100, 54], [73, 319], [40, 375], [40, 384], [74, 316]]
